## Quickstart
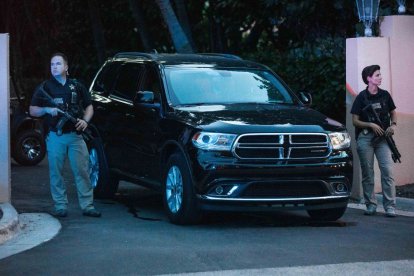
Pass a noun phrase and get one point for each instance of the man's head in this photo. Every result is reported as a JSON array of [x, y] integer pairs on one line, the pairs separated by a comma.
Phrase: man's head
[[59, 65], [369, 71]]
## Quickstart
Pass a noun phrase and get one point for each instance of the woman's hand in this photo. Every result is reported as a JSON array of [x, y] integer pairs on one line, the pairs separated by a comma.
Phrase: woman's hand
[[377, 129], [390, 130]]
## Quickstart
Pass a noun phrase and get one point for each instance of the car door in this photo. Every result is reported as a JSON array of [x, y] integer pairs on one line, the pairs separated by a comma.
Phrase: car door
[[146, 131], [121, 147]]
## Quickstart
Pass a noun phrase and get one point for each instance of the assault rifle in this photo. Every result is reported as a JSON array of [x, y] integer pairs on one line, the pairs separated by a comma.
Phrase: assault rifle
[[66, 116], [395, 154]]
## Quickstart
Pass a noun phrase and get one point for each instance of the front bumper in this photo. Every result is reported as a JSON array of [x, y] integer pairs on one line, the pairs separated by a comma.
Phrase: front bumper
[[225, 183], [260, 205]]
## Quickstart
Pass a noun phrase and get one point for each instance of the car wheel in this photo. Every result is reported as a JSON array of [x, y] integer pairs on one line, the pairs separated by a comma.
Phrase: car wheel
[[29, 148], [327, 214], [103, 182], [178, 193]]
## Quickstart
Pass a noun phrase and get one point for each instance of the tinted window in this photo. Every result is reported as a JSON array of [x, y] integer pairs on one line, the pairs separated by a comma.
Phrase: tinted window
[[208, 85], [106, 77], [152, 83], [127, 83]]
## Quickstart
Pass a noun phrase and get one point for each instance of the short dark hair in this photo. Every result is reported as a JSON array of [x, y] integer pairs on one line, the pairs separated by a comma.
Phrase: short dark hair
[[62, 55], [369, 71]]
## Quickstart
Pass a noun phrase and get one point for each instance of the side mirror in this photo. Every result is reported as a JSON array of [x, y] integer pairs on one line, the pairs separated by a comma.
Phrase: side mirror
[[306, 98], [144, 97]]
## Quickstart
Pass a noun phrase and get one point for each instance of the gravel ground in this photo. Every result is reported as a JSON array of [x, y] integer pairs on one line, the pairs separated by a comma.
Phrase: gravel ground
[[405, 190]]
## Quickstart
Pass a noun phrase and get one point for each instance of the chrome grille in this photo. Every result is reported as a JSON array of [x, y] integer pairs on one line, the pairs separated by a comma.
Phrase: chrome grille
[[282, 146]]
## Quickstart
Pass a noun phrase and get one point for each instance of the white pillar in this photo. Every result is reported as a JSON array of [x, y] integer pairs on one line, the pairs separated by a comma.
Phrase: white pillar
[[362, 52], [394, 53], [5, 189], [400, 31]]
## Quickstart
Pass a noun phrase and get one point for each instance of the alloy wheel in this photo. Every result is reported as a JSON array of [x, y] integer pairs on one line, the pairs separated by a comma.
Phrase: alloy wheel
[[31, 148], [174, 189], [93, 167]]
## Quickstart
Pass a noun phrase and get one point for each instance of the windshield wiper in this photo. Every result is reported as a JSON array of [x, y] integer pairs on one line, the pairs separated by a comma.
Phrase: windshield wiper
[[194, 104]]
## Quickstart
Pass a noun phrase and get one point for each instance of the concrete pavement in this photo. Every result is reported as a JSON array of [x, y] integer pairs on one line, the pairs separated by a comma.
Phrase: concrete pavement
[[20, 232], [9, 222], [403, 267]]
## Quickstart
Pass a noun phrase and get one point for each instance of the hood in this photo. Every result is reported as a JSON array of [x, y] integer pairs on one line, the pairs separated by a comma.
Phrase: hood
[[242, 118]]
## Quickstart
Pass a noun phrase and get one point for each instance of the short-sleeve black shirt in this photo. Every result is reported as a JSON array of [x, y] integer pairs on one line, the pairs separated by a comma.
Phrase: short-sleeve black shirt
[[386, 105], [62, 96]]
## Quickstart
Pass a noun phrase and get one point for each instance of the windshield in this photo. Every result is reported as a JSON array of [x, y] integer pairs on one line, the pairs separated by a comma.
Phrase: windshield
[[220, 86]]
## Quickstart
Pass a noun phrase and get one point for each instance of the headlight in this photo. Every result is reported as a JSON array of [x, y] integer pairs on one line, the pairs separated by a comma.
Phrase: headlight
[[340, 140], [213, 141]]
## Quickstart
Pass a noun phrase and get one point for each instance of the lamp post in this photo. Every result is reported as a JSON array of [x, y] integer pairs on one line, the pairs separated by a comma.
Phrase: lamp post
[[368, 13]]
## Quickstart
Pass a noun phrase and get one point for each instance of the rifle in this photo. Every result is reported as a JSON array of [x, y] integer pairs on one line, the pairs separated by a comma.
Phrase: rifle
[[395, 154], [87, 133]]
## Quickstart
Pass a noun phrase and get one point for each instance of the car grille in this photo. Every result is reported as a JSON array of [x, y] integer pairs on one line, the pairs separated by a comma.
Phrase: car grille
[[282, 146], [285, 189]]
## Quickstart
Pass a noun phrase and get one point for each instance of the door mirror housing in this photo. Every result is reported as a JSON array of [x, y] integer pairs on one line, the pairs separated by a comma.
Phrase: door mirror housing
[[144, 97], [145, 102], [306, 98]]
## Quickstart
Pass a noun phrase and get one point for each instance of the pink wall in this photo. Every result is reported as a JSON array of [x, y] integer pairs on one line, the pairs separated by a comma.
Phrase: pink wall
[[394, 52]]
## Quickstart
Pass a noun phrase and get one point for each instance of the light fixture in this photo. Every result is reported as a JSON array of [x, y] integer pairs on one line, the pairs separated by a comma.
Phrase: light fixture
[[401, 6], [368, 13]]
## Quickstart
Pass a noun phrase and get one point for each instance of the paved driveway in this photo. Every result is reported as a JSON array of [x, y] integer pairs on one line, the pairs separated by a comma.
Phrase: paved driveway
[[134, 237]]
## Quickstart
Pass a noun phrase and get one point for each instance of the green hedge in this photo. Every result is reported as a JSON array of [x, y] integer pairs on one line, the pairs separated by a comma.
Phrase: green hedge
[[319, 70]]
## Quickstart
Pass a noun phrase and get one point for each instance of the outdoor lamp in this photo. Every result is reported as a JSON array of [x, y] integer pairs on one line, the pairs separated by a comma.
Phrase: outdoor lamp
[[368, 13], [401, 6]]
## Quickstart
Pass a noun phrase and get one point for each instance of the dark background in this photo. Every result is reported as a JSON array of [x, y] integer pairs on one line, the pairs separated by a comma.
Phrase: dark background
[[303, 41]]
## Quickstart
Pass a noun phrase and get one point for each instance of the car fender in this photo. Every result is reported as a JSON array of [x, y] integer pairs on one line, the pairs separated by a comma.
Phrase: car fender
[[169, 148]]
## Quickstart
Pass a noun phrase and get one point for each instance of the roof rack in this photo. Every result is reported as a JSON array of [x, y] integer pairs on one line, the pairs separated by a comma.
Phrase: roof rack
[[221, 55], [134, 54]]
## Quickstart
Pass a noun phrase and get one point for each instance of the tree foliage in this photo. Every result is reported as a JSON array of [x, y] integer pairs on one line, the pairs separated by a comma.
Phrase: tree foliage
[[303, 41]]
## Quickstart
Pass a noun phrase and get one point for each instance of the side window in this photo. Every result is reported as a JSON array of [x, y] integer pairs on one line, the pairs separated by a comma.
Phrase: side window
[[106, 77], [127, 83], [152, 83]]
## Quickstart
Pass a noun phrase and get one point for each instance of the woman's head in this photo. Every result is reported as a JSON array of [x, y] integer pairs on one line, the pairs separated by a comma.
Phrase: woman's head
[[369, 72]]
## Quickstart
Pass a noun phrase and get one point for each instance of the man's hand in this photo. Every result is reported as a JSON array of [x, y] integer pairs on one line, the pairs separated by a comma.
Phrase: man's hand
[[53, 111], [390, 130], [377, 129], [81, 125]]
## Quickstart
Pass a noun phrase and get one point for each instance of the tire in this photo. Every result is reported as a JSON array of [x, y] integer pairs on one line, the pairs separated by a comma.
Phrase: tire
[[29, 148], [178, 193], [327, 214], [103, 182]]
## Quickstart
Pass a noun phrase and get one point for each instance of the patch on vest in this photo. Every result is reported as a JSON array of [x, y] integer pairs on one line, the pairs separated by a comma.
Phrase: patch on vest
[[376, 105], [58, 101]]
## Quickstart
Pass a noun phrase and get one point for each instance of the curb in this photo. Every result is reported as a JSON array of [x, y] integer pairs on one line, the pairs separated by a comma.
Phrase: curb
[[405, 206], [34, 229], [9, 223]]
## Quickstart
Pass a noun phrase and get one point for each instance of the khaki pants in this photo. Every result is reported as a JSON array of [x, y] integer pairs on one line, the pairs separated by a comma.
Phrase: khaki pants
[[73, 146], [366, 154]]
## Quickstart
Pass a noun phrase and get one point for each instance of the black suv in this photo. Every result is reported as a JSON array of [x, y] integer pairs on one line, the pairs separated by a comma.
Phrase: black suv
[[215, 132]]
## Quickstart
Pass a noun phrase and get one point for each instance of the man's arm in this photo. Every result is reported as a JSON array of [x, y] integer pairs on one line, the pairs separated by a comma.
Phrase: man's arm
[[37, 111], [82, 124], [361, 124]]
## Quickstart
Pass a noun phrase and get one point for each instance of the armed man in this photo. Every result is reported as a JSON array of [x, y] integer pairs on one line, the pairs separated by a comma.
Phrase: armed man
[[373, 115], [63, 138]]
